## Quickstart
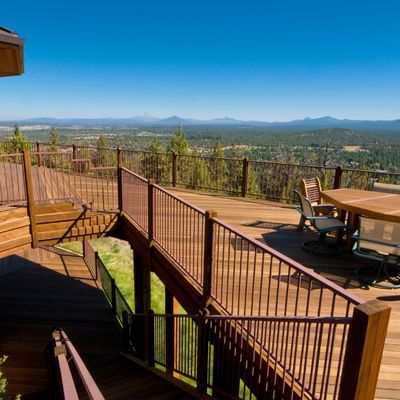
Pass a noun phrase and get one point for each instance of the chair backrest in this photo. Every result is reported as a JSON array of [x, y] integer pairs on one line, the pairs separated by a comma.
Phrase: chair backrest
[[386, 187], [306, 206], [379, 236], [311, 188]]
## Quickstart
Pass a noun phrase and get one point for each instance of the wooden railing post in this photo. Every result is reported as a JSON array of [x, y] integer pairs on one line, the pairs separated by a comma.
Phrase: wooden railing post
[[338, 177], [119, 177], [364, 351], [113, 297], [151, 183], [245, 176], [125, 331], [149, 338], [39, 161], [169, 332], [208, 255], [174, 158], [98, 275], [202, 351], [30, 196]]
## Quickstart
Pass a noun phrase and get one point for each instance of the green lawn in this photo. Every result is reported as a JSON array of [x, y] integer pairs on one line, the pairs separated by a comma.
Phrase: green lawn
[[118, 258]]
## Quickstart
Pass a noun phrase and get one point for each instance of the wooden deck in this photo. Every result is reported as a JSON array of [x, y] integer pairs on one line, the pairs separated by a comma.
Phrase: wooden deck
[[277, 226], [40, 289]]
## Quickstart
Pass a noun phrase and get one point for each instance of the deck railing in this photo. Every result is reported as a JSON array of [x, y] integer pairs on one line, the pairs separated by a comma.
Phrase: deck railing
[[237, 177], [65, 353], [246, 357], [100, 273], [12, 179], [304, 316], [178, 228], [239, 276], [57, 177]]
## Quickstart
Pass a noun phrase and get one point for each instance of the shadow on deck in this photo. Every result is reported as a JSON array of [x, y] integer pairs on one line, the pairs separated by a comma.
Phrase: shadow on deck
[[46, 290]]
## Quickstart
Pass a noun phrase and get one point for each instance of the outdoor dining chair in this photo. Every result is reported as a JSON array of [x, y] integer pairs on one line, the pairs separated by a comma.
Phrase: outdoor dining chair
[[379, 241], [311, 188], [323, 224]]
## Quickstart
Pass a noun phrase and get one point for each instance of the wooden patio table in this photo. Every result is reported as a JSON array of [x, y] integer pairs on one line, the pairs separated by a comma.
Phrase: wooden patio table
[[355, 202]]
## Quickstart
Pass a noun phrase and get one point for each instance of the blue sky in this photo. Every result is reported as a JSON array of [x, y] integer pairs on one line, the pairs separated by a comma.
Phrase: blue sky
[[264, 60]]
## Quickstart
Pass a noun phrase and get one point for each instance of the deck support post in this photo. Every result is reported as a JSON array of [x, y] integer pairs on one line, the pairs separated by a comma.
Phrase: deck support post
[[169, 332], [149, 338], [202, 351], [30, 200], [364, 351], [142, 302]]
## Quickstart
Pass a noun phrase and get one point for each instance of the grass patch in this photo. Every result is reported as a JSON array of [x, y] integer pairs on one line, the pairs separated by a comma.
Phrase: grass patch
[[117, 256]]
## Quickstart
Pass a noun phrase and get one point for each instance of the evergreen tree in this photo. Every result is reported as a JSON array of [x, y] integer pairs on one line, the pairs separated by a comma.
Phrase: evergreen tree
[[199, 178], [18, 142], [100, 158], [218, 169], [156, 163], [179, 143], [54, 139], [180, 146]]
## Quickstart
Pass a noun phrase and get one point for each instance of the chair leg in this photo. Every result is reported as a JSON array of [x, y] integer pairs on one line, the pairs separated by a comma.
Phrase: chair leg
[[300, 226], [382, 277]]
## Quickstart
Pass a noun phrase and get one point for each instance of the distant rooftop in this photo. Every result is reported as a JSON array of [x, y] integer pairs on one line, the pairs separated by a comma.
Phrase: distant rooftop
[[11, 53]]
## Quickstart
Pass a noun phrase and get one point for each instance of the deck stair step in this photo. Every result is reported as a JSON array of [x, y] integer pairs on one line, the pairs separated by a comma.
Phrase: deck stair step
[[119, 378], [9, 212], [15, 233]]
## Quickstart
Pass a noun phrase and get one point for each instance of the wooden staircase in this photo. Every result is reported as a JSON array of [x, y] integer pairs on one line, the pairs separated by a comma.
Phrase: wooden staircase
[[15, 235], [50, 224]]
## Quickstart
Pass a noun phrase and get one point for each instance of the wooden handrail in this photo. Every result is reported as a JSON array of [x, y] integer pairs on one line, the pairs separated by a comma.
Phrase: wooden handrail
[[65, 347]]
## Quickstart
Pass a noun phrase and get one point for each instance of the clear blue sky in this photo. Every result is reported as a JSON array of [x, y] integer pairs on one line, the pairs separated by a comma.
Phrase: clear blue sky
[[264, 60]]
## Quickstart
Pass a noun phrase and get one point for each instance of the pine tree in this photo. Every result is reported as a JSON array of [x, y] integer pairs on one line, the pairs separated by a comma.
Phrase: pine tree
[[100, 158], [54, 139], [180, 146], [155, 163], [18, 142], [179, 143], [218, 169]]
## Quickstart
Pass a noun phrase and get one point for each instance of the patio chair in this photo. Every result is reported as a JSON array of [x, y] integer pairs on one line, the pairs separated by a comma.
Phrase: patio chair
[[385, 187], [379, 241], [311, 188], [323, 224]]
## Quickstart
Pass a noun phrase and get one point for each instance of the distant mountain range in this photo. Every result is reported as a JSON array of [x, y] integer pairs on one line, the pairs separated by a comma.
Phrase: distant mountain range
[[306, 123]]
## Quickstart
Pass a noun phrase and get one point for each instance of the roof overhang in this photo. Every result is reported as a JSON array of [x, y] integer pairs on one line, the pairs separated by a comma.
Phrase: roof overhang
[[11, 53]]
